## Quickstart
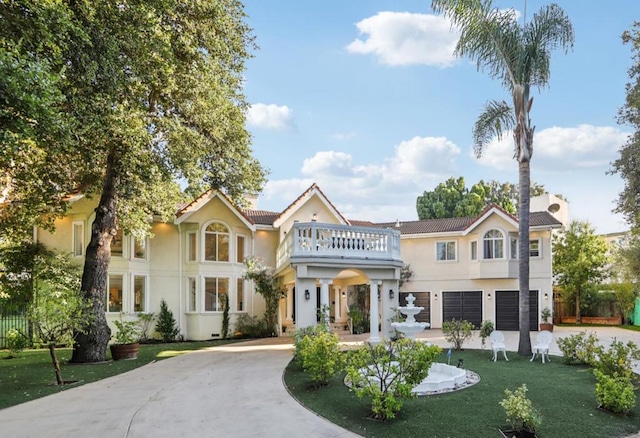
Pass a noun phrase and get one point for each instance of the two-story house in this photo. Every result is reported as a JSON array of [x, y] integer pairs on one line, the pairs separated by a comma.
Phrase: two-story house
[[462, 267]]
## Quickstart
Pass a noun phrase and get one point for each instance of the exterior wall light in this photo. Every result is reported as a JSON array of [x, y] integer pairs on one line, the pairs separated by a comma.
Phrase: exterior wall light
[[546, 296], [489, 295], [314, 217], [307, 295], [391, 294], [435, 296]]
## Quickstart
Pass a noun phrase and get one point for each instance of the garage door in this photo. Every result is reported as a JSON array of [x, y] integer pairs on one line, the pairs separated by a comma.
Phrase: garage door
[[423, 299], [508, 310], [462, 305]]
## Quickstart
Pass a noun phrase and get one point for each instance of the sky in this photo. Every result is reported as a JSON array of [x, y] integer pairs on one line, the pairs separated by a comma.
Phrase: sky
[[365, 98]]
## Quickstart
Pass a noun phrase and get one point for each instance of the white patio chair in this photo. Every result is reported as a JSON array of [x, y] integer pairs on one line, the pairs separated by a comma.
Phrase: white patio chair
[[497, 344], [543, 342]]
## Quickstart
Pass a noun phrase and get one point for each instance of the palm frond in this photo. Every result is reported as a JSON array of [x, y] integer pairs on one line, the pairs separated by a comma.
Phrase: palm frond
[[496, 119]]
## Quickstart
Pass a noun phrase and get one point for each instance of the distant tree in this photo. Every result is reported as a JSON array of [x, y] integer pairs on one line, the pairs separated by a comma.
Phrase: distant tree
[[580, 258], [628, 164], [453, 199], [520, 57]]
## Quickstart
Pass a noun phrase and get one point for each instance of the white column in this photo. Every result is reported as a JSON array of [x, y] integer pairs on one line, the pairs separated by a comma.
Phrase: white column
[[374, 337], [336, 303], [289, 317], [324, 297]]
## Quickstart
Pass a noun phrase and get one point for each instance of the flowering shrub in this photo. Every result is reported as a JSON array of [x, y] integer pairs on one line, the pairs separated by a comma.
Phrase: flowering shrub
[[520, 411], [616, 360], [16, 342], [614, 393]]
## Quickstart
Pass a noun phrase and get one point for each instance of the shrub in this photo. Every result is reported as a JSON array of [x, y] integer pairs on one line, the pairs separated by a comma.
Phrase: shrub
[[128, 332], [321, 357], [15, 341], [146, 323], [521, 414], [301, 338], [457, 332], [579, 349], [249, 326], [485, 331], [614, 393], [388, 372], [166, 326], [616, 360]]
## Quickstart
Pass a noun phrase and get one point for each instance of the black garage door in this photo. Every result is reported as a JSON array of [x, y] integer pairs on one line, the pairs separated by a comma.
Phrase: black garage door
[[508, 310], [423, 299], [462, 305]]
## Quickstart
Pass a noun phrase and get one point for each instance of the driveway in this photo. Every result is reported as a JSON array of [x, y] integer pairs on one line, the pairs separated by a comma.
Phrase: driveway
[[234, 390]]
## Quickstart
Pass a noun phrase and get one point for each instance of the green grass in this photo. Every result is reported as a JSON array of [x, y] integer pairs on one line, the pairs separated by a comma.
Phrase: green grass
[[31, 374], [634, 328], [564, 395]]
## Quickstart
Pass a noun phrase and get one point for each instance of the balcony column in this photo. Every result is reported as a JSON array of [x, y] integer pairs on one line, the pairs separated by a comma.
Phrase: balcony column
[[289, 317], [336, 304], [374, 337], [324, 298]]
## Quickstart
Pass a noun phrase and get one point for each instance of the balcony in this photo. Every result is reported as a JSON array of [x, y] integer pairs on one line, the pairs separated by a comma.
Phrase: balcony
[[494, 269], [328, 241]]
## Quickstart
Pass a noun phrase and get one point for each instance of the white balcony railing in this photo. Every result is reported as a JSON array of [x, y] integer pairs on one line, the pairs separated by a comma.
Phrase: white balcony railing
[[314, 239]]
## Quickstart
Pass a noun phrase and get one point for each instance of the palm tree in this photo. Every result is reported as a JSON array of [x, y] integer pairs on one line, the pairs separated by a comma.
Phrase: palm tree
[[518, 55]]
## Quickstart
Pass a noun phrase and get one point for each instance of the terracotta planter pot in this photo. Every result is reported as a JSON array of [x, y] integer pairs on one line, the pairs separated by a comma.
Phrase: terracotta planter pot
[[546, 326], [124, 351]]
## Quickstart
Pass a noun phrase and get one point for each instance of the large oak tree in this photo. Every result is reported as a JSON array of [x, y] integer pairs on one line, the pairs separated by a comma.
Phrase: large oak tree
[[145, 94], [520, 57]]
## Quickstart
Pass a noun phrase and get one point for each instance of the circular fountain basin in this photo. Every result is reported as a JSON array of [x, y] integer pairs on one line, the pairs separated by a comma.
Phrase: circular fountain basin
[[410, 328], [442, 377]]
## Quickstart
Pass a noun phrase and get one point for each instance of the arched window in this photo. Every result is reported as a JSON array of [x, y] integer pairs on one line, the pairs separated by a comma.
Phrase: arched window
[[216, 243], [493, 245]]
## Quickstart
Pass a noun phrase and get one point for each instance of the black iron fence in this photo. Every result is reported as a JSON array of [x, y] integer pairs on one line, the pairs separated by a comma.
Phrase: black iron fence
[[12, 317]]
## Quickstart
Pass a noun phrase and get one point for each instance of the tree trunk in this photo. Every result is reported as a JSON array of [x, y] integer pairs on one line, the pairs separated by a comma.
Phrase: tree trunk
[[91, 346], [578, 313], [56, 364], [524, 344]]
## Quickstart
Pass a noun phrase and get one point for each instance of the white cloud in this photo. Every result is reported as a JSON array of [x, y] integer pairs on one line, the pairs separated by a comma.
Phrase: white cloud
[[403, 38], [270, 116], [383, 191], [343, 136], [561, 149]]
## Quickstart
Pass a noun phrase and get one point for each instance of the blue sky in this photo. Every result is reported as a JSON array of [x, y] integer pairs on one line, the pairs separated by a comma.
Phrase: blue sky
[[364, 98]]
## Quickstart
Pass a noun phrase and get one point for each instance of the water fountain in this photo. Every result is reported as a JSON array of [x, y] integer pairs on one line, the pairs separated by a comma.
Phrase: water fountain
[[442, 377], [410, 326]]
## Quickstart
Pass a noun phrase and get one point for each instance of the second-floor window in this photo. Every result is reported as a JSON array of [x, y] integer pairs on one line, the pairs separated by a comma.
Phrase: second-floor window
[[474, 250], [78, 239], [116, 244], [534, 248], [446, 250], [216, 243], [493, 245]]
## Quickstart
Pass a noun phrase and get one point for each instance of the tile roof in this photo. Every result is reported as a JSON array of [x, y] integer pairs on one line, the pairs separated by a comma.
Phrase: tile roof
[[454, 224], [262, 217]]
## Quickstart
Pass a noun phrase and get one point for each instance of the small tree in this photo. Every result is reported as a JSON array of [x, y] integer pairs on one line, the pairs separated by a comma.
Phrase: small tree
[[457, 332], [579, 259], [485, 331], [321, 356], [267, 285], [55, 314], [167, 326], [388, 373]]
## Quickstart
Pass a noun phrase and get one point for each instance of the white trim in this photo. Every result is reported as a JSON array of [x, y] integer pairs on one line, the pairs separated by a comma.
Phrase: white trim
[[188, 245], [132, 242], [203, 235], [73, 239], [132, 294], [244, 247], [486, 215], [188, 294], [455, 251], [123, 300], [214, 194], [302, 201]]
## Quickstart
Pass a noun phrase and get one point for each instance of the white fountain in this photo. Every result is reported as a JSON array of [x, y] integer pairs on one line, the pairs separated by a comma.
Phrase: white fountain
[[410, 326]]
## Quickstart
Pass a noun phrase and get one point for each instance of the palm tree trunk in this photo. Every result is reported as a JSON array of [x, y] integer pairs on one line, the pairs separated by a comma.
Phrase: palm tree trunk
[[91, 346], [524, 344], [578, 313]]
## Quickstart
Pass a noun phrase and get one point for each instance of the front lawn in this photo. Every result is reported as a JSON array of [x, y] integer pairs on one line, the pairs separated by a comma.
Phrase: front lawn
[[31, 375], [564, 395]]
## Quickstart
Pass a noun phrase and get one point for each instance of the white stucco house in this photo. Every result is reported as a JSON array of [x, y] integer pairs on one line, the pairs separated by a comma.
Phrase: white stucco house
[[462, 267]]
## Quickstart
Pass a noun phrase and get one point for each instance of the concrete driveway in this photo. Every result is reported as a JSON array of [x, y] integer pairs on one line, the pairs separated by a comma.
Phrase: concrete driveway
[[229, 391]]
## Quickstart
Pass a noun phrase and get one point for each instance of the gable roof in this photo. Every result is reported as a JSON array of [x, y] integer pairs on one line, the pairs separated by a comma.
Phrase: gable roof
[[539, 219], [300, 200], [262, 217], [188, 210]]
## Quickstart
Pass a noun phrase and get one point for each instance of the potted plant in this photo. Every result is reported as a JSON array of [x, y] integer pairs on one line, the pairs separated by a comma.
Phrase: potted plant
[[523, 418], [485, 331], [125, 340], [545, 324]]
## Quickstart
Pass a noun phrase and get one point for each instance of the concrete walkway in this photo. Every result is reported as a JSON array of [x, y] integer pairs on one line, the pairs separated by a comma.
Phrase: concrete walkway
[[229, 391]]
